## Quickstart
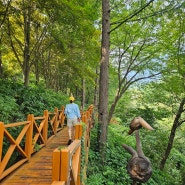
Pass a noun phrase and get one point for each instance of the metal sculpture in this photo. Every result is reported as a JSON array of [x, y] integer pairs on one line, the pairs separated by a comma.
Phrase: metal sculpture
[[139, 166]]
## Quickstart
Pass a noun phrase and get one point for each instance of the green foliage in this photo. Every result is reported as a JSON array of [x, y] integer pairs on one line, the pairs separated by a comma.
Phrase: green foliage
[[17, 101], [8, 108]]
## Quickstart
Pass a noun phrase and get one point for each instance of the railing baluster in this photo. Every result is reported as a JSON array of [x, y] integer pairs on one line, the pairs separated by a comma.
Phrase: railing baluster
[[65, 165], [56, 121], [56, 165], [78, 131], [45, 128], [1, 139], [29, 135]]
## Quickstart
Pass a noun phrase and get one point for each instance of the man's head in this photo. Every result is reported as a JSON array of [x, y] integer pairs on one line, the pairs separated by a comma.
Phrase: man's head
[[71, 99]]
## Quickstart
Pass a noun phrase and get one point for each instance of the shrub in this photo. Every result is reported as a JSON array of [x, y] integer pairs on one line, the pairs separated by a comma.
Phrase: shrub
[[17, 101]]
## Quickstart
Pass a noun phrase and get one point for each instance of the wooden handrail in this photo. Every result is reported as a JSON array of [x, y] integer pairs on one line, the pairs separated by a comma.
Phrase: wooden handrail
[[58, 183], [15, 124]]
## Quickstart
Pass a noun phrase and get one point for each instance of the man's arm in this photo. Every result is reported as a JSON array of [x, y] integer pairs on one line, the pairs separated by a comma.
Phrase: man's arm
[[78, 113]]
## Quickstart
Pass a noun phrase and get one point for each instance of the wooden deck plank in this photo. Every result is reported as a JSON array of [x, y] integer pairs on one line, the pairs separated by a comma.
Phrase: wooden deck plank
[[38, 171]]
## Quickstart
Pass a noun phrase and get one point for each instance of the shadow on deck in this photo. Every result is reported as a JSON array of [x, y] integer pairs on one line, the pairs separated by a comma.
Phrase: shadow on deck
[[38, 171]]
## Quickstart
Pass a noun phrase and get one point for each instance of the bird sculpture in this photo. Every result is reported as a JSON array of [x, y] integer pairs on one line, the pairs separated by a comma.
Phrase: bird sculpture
[[137, 123], [139, 166]]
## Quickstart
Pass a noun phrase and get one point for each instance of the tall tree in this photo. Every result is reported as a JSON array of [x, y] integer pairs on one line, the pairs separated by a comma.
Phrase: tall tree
[[27, 6], [4, 9], [21, 34], [104, 71]]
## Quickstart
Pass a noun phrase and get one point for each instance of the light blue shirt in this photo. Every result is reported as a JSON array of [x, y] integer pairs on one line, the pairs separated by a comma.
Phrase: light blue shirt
[[72, 111]]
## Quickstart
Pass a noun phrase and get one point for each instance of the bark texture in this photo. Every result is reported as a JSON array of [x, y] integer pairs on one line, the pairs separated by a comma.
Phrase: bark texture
[[104, 69]]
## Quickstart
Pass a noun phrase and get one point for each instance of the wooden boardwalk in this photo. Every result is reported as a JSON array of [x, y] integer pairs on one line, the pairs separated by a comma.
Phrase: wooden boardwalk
[[38, 171]]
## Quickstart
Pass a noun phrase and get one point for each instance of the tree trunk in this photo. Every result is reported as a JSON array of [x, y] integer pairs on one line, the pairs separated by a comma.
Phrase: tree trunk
[[176, 124], [96, 90], [112, 108], [36, 73], [26, 62], [83, 94], [1, 63], [104, 69]]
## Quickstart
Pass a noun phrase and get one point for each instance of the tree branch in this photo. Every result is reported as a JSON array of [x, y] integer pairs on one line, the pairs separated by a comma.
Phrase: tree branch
[[133, 15], [5, 14], [12, 45]]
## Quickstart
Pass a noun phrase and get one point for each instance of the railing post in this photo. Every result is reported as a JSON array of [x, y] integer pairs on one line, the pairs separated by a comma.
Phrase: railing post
[[56, 165], [29, 135], [1, 139], [45, 127], [65, 165], [78, 131], [88, 114], [90, 109], [63, 116], [56, 121], [84, 118], [61, 165]]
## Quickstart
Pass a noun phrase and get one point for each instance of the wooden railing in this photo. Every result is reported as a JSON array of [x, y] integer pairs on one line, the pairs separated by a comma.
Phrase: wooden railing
[[66, 166], [18, 141], [17, 147]]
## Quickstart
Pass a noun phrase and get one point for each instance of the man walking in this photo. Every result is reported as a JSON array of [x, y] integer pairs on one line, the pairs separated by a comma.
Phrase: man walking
[[73, 117]]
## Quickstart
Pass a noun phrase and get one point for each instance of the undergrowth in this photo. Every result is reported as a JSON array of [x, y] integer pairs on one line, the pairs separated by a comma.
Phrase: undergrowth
[[17, 101]]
